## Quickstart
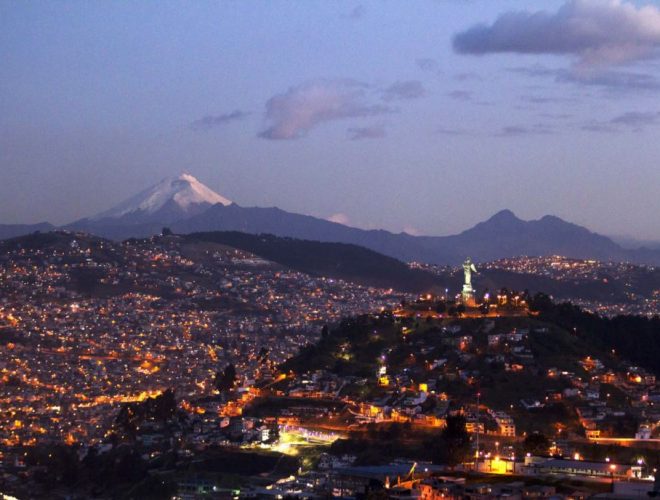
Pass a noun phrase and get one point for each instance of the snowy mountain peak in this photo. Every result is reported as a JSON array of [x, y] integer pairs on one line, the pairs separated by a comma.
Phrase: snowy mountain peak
[[184, 193]]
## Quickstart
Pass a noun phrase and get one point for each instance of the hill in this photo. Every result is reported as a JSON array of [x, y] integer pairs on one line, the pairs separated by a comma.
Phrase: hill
[[633, 337], [13, 230], [539, 369], [334, 260], [367, 267]]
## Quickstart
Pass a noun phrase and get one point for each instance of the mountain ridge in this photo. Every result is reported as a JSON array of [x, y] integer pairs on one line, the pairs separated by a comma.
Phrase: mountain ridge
[[186, 205], [13, 230]]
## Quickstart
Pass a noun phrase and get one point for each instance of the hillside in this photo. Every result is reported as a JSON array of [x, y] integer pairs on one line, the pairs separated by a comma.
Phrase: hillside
[[367, 267], [14, 230], [541, 370], [632, 337], [334, 260]]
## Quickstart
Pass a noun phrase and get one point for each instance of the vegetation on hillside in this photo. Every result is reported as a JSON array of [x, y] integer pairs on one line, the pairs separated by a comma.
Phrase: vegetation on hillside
[[635, 338], [334, 260]]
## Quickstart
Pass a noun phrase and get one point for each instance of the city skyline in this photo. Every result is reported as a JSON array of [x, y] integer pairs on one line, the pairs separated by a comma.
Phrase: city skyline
[[99, 102]]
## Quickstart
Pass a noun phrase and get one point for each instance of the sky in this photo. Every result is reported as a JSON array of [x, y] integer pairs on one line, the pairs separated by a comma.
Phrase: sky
[[418, 116]]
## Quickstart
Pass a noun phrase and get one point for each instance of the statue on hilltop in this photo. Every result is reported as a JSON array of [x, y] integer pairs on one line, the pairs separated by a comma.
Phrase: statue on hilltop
[[468, 291], [468, 269]]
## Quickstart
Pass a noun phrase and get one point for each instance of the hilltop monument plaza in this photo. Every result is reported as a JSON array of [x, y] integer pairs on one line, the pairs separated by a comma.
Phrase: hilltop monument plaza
[[467, 294]]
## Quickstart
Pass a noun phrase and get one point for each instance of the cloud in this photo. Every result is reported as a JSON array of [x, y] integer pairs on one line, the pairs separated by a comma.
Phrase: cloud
[[460, 95], [412, 89], [452, 131], [519, 130], [513, 130], [340, 218], [427, 64], [631, 120], [412, 231], [618, 80], [598, 33], [538, 70], [295, 112], [356, 12], [556, 116], [372, 132], [636, 119], [212, 121], [615, 80], [466, 76], [598, 127], [536, 99]]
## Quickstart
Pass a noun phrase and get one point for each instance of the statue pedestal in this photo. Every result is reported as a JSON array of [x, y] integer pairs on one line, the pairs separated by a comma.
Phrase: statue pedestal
[[467, 296]]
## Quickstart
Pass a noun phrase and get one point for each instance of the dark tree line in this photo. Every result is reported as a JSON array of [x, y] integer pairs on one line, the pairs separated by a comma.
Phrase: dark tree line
[[636, 338], [225, 380], [452, 447], [131, 415]]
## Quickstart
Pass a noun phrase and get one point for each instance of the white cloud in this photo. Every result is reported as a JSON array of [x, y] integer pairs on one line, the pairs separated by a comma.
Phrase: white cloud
[[598, 33], [340, 218], [293, 113], [412, 231]]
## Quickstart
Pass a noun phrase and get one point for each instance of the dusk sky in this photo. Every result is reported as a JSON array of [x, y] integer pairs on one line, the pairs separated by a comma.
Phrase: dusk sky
[[424, 116]]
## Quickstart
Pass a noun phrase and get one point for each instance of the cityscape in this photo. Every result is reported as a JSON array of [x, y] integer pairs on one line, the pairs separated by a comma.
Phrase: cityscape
[[320, 368], [225, 307], [360, 250], [604, 287]]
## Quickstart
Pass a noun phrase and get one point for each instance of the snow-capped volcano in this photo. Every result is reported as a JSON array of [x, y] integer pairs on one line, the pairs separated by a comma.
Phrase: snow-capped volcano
[[182, 195]]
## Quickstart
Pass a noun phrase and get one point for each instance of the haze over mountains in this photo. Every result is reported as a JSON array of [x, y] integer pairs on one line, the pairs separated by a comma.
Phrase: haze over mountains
[[186, 205]]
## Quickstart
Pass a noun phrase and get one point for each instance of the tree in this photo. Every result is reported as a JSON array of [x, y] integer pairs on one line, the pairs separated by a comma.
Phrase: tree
[[536, 444], [161, 407], [167, 231], [263, 355], [540, 302], [452, 446], [226, 380]]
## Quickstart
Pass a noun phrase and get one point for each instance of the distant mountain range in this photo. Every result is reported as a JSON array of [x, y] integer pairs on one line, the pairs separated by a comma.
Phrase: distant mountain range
[[13, 230], [185, 205]]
